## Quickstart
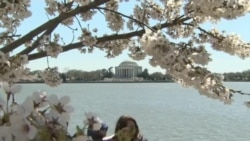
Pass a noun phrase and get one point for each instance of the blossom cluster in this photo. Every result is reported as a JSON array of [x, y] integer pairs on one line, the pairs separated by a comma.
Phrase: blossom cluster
[[179, 60], [12, 13], [12, 69], [82, 2], [87, 15], [173, 8], [231, 44], [54, 7], [115, 21], [39, 117], [87, 38], [140, 14], [113, 48], [51, 76], [217, 9], [52, 48]]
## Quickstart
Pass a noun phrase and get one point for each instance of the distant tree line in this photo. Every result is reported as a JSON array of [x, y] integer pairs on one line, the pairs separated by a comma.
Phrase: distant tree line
[[97, 75], [237, 76], [75, 75], [79, 75]]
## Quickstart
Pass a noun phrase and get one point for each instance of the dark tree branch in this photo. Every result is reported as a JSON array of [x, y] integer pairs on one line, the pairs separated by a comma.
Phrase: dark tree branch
[[45, 26], [9, 36], [209, 33], [65, 48], [239, 92], [36, 43], [110, 38]]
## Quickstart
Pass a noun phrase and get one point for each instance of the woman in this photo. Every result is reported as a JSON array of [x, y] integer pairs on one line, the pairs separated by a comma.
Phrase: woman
[[126, 130]]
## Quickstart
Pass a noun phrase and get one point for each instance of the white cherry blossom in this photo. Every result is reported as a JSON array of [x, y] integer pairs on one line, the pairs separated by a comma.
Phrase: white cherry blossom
[[58, 119], [11, 88], [92, 118], [51, 76], [5, 133], [61, 105], [22, 128], [81, 138]]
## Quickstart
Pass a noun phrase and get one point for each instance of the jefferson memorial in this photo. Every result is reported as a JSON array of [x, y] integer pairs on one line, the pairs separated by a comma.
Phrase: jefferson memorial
[[127, 70]]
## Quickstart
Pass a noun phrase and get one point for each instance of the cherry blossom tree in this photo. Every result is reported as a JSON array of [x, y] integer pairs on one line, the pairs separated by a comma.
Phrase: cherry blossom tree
[[170, 32]]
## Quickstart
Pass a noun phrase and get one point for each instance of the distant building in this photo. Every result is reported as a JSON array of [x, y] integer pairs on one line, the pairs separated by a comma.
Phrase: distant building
[[127, 70]]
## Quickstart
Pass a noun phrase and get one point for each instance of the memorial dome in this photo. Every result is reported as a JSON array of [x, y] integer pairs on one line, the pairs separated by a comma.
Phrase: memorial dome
[[128, 64]]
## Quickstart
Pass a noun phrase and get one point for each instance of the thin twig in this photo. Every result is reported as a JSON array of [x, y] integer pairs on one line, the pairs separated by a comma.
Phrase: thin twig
[[10, 36], [144, 15], [71, 28], [78, 21], [203, 30], [239, 92]]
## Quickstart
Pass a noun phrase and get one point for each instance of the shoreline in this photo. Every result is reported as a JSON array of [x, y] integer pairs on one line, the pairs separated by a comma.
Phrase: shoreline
[[108, 82], [115, 82]]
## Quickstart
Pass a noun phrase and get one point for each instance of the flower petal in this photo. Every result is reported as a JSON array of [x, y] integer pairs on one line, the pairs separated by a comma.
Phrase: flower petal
[[16, 89], [53, 99], [32, 132], [6, 87], [64, 100], [68, 108]]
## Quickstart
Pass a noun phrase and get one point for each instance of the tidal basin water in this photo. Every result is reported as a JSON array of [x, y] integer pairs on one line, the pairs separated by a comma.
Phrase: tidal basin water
[[164, 111]]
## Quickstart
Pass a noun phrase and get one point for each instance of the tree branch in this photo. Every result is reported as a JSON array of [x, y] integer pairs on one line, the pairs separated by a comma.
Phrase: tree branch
[[36, 43], [45, 26], [110, 38], [203, 30]]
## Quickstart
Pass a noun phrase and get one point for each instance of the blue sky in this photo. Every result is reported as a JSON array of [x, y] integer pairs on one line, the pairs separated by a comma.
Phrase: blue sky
[[75, 60]]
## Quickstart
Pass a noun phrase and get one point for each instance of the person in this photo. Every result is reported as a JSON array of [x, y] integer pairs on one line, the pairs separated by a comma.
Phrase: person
[[97, 135], [126, 130], [96, 128]]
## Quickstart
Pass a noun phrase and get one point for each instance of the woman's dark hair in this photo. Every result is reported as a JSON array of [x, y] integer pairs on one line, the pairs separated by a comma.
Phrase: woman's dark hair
[[123, 122]]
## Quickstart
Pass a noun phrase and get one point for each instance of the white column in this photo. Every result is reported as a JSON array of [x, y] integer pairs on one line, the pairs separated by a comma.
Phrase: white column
[[120, 72], [126, 72], [131, 72], [123, 72], [117, 72]]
